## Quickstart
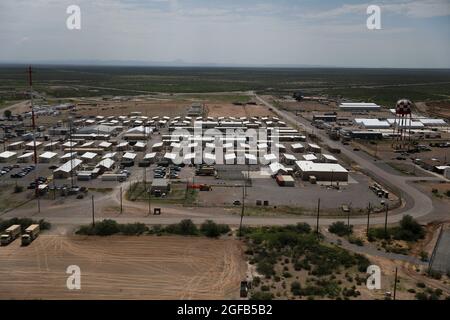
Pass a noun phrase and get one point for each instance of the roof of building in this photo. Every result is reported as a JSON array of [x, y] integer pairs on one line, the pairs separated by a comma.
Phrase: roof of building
[[89, 155], [7, 154], [26, 155], [106, 163], [48, 155], [276, 167], [309, 157], [104, 144], [309, 166], [376, 123], [297, 146], [289, 156], [69, 165], [129, 155], [109, 155], [69, 155], [329, 157]]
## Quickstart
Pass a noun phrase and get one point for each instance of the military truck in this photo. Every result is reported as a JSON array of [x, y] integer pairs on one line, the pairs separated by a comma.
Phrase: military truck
[[10, 234], [31, 233]]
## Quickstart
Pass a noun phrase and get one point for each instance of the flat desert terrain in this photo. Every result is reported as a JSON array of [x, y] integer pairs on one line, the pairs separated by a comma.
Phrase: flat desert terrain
[[122, 267]]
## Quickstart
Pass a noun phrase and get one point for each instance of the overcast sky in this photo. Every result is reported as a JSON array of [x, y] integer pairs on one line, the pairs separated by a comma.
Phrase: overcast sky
[[415, 33]]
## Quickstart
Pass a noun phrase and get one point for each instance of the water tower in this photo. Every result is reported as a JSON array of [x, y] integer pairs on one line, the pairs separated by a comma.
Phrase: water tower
[[402, 123]]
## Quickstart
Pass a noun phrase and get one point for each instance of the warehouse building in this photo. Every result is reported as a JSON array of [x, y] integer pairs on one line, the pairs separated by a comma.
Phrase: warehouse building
[[358, 106], [47, 157], [26, 157], [7, 156], [67, 169], [16, 145], [321, 171], [372, 123], [160, 186], [105, 165]]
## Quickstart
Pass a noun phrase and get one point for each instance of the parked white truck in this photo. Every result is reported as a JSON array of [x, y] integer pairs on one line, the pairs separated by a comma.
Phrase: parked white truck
[[10, 234], [30, 234]]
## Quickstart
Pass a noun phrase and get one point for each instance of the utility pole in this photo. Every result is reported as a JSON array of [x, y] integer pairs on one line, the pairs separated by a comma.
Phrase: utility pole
[[348, 216], [71, 151], [395, 283], [368, 219], [386, 220], [93, 211], [149, 201], [36, 189], [242, 211], [318, 215], [121, 201]]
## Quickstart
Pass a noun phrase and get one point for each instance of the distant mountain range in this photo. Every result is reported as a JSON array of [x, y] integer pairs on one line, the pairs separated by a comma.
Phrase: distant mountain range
[[139, 63]]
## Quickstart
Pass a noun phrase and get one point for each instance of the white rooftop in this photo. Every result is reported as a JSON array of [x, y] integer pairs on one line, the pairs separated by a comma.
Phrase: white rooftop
[[109, 155], [309, 157], [26, 155], [129, 155], [89, 155], [48, 155], [69, 165], [150, 155], [7, 154], [107, 163], [309, 166]]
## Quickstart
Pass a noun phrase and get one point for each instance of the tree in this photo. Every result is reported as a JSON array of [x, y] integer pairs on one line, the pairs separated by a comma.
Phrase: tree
[[340, 228], [7, 114], [211, 229]]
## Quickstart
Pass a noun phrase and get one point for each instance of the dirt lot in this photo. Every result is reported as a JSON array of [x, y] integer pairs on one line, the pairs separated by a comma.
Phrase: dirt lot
[[435, 108], [228, 109], [148, 108], [122, 267]]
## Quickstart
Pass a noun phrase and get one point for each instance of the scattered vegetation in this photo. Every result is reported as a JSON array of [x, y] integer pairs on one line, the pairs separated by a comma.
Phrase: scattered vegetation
[[185, 227], [280, 253], [340, 228], [408, 230]]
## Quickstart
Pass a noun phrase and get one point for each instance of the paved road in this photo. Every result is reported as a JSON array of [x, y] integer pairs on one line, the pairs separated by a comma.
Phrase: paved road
[[417, 203]]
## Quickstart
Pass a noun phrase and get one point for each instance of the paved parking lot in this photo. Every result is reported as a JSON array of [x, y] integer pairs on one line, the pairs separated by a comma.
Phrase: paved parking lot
[[442, 258]]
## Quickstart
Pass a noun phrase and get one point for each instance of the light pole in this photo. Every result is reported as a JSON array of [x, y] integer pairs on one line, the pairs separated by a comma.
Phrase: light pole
[[121, 201], [318, 215], [149, 201], [242, 211], [386, 206], [93, 211]]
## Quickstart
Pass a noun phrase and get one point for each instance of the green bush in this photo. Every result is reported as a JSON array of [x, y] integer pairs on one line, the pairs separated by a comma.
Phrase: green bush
[[296, 288], [133, 228], [420, 285], [340, 228], [435, 274], [409, 230], [256, 281], [355, 240], [185, 227], [259, 295], [265, 267], [106, 227], [18, 189], [210, 229]]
